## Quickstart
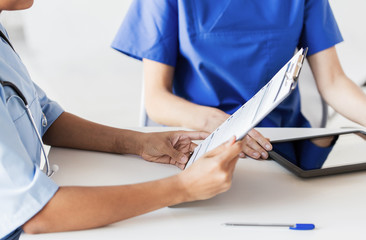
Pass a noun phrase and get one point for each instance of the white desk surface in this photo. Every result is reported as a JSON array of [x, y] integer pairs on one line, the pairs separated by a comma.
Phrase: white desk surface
[[262, 192]]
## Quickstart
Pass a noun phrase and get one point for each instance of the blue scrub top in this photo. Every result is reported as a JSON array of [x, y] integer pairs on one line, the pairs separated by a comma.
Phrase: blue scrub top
[[24, 188], [224, 51]]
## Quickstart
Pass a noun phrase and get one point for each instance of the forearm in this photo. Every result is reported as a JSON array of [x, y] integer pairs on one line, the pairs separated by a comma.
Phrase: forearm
[[345, 97], [166, 108], [336, 88], [74, 132], [77, 208]]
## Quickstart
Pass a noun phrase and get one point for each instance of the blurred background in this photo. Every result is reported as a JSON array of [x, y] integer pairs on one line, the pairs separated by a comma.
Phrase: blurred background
[[66, 47]]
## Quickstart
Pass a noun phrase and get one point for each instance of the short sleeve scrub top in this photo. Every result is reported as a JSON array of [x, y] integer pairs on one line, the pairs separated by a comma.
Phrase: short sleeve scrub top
[[224, 51]]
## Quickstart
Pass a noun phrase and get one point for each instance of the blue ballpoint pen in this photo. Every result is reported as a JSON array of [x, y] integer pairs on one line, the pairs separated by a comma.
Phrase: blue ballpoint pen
[[297, 226]]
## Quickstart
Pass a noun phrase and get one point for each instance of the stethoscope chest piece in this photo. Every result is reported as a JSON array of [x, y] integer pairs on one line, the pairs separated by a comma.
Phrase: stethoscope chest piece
[[44, 120]]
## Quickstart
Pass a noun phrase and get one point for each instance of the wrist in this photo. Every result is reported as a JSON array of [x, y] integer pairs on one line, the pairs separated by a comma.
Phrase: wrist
[[211, 118], [129, 142], [183, 187]]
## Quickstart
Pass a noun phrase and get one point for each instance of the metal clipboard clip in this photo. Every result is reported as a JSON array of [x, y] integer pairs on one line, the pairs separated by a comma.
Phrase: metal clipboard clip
[[291, 74], [298, 67]]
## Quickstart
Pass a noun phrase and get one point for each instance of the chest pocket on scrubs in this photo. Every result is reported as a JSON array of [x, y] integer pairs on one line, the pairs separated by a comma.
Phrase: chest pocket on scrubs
[[17, 111]]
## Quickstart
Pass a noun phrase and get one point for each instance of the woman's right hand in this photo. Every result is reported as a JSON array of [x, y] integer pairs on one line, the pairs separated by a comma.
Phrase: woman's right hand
[[212, 173]]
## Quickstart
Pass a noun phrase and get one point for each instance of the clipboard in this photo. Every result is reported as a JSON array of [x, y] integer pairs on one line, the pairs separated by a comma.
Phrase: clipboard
[[256, 108]]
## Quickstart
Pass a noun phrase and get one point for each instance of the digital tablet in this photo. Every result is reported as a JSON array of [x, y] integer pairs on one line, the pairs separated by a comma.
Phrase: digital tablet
[[322, 155]]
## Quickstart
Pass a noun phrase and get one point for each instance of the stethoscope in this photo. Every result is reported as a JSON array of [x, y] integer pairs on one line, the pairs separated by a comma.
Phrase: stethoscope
[[49, 171]]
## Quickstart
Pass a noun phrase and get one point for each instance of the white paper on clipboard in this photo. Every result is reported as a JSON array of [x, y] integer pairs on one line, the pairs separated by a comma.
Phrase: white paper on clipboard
[[255, 109]]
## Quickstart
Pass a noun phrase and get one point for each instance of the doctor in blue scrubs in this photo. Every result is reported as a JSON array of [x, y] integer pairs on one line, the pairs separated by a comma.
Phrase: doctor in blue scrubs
[[203, 59], [32, 202]]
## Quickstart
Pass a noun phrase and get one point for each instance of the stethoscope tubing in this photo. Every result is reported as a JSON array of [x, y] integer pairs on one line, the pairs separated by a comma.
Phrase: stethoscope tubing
[[49, 171]]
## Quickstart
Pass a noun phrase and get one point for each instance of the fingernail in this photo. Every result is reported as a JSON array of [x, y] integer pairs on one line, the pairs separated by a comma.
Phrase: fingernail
[[241, 155], [268, 147], [256, 154], [264, 155], [183, 159]]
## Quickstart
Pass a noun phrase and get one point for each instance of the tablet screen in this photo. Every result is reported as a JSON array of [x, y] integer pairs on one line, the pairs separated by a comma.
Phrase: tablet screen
[[322, 156]]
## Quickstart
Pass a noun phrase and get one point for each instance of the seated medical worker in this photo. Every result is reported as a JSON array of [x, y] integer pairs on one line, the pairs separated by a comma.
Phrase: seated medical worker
[[204, 59], [31, 201]]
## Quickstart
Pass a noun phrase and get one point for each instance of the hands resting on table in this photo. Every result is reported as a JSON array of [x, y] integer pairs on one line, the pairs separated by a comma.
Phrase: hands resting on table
[[76, 208]]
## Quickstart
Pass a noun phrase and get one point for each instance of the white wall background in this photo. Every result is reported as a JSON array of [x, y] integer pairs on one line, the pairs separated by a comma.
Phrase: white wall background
[[66, 46], [67, 50]]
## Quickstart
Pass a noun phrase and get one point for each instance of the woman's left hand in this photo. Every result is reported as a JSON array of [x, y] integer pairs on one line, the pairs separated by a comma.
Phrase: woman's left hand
[[170, 147], [255, 145]]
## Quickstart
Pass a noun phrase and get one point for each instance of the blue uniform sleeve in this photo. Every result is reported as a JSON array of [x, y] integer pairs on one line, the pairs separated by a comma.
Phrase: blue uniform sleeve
[[24, 188], [320, 30], [51, 109], [150, 30]]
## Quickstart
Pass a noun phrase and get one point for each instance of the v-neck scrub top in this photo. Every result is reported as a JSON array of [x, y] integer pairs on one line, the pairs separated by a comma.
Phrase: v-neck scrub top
[[224, 51]]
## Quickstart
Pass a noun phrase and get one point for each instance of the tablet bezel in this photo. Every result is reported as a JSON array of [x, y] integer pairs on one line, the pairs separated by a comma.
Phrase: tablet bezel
[[317, 172]]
